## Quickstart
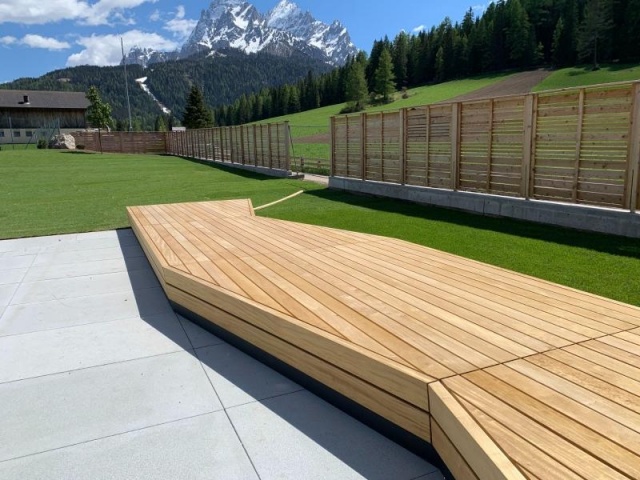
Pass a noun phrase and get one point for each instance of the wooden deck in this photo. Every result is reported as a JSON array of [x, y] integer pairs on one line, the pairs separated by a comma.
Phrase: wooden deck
[[507, 376]]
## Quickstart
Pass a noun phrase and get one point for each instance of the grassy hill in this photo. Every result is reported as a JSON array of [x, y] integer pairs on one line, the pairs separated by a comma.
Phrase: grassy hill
[[578, 76]]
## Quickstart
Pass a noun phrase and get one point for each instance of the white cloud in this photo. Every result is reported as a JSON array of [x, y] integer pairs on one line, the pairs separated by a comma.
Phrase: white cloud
[[179, 26], [8, 40], [106, 50], [34, 12], [35, 41], [477, 9], [155, 16], [419, 28], [47, 43]]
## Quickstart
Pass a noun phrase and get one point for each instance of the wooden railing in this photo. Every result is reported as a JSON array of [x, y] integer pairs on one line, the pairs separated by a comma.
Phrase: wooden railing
[[578, 145], [265, 145]]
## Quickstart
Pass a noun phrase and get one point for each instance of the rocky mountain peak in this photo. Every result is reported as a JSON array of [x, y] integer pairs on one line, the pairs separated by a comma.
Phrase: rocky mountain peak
[[284, 30]]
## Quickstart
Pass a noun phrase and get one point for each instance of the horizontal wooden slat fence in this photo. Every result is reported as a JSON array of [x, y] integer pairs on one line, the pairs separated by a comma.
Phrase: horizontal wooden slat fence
[[578, 145], [266, 145], [122, 142]]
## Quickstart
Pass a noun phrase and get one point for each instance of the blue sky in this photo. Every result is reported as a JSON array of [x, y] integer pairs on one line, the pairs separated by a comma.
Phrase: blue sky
[[37, 36]]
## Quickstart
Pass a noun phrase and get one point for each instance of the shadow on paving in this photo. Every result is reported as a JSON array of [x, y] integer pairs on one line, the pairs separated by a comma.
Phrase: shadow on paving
[[339, 440], [622, 246]]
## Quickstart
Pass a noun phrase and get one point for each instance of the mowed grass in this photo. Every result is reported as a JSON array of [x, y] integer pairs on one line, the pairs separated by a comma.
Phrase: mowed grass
[[47, 192], [601, 264], [44, 192], [579, 76]]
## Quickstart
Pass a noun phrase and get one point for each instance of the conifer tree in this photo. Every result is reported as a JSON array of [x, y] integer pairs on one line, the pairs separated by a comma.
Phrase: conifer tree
[[594, 30], [196, 113], [356, 89], [384, 78]]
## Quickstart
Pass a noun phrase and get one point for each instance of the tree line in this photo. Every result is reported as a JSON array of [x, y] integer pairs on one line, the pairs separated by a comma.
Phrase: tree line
[[509, 34]]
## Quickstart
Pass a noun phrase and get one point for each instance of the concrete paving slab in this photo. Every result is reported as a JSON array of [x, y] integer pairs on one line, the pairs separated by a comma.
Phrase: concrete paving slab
[[7, 292], [32, 244], [9, 263], [240, 379], [59, 289], [54, 351], [12, 275], [34, 317], [308, 438], [432, 476], [199, 448], [84, 268], [198, 337], [55, 411], [110, 253]]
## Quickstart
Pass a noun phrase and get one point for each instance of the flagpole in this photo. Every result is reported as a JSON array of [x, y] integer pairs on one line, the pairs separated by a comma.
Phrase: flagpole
[[126, 84]]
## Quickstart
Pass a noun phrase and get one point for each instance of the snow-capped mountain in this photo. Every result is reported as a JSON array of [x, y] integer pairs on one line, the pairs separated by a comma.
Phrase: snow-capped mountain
[[282, 31], [148, 56]]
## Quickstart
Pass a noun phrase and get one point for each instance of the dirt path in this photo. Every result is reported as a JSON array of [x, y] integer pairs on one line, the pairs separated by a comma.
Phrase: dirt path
[[514, 85]]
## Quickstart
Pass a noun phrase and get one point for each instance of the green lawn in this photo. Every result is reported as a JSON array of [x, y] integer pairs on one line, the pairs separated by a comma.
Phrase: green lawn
[[47, 192], [578, 76]]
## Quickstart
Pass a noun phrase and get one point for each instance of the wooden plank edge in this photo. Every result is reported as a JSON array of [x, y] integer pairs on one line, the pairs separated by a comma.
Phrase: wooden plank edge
[[447, 451], [368, 365], [412, 423], [149, 251], [479, 451]]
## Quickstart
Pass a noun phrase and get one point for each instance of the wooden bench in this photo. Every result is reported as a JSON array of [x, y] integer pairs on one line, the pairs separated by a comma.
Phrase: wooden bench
[[417, 336]]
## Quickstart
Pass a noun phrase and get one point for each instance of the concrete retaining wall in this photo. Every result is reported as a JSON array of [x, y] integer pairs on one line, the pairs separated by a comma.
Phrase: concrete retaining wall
[[581, 217]]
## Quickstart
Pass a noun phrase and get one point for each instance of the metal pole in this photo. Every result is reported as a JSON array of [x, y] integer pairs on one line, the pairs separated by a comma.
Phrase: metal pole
[[126, 85], [13, 147]]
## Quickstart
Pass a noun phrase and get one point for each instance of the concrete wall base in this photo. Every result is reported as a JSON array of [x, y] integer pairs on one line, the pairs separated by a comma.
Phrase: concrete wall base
[[580, 217]]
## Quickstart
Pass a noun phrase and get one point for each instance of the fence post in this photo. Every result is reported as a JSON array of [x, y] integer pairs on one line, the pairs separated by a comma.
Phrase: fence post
[[576, 164], [403, 145], [332, 142], [363, 146], [382, 146], [287, 144], [527, 147], [490, 147], [270, 146], [455, 144], [633, 167], [427, 114]]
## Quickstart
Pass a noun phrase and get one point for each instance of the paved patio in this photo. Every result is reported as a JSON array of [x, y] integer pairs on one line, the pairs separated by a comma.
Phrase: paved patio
[[99, 378]]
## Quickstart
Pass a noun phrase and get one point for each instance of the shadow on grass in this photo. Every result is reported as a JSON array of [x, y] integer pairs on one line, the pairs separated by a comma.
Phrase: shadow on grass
[[78, 152], [230, 169], [587, 69], [615, 245]]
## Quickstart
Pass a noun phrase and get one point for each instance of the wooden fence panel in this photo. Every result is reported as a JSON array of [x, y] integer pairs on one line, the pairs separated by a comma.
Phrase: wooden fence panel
[[417, 139], [579, 145], [439, 147]]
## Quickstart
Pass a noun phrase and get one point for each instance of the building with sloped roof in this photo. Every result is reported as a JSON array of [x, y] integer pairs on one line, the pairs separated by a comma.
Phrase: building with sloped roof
[[26, 114]]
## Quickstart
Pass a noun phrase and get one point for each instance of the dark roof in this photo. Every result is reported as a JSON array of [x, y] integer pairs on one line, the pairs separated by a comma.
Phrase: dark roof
[[40, 99]]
